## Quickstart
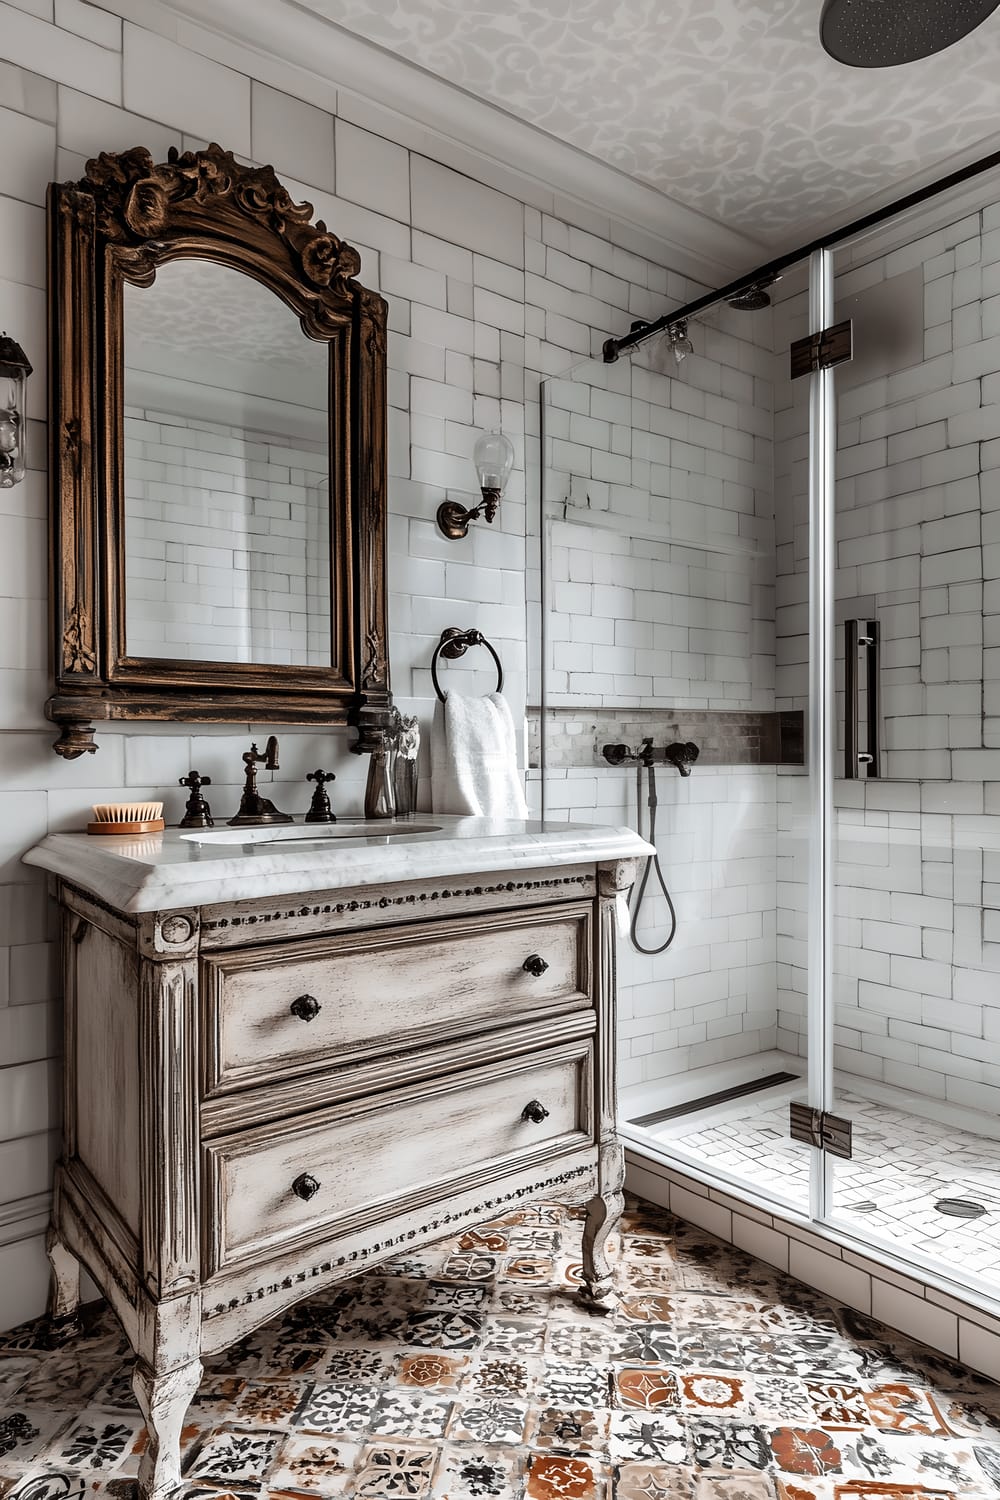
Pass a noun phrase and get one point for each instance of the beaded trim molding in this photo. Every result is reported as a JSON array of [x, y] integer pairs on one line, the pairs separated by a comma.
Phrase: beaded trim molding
[[356, 1256]]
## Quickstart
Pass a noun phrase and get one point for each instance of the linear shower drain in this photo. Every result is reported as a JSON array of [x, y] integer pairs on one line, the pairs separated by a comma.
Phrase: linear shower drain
[[960, 1208]]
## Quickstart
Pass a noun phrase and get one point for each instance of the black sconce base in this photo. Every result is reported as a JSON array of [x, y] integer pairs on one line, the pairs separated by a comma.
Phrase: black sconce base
[[453, 519]]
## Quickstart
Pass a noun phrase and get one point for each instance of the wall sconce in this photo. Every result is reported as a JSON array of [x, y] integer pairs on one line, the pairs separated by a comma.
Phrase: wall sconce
[[493, 457], [14, 371]]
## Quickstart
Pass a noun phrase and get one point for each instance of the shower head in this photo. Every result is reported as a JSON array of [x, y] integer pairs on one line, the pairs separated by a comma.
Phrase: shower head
[[885, 33], [753, 297]]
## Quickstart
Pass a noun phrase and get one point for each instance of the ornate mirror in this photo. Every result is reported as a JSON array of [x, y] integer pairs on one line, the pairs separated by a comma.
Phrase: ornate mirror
[[217, 454]]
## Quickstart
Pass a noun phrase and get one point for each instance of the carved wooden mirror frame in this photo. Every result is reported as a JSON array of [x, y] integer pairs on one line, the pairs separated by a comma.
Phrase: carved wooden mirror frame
[[125, 218]]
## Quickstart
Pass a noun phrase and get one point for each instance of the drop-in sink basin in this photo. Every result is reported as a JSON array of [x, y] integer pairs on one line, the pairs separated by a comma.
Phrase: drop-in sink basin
[[314, 835]]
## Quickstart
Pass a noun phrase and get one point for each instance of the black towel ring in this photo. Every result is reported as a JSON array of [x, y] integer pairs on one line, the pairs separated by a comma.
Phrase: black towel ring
[[453, 644]]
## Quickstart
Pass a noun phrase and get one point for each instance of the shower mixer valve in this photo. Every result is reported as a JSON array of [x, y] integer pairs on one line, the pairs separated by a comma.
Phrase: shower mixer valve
[[681, 756]]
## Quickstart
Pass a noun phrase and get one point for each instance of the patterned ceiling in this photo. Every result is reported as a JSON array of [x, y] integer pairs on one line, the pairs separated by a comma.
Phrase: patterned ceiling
[[730, 106]]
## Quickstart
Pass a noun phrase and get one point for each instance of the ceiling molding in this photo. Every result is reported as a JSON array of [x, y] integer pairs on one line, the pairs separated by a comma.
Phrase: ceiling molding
[[278, 31]]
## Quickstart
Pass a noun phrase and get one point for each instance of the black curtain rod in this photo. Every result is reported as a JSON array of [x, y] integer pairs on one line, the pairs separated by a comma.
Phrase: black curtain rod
[[640, 332]]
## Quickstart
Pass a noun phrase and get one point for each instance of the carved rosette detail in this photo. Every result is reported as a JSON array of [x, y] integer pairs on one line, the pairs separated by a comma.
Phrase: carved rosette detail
[[138, 199], [176, 929]]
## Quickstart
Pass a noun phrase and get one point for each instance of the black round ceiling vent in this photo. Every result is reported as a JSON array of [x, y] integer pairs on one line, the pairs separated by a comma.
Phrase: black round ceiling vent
[[885, 33]]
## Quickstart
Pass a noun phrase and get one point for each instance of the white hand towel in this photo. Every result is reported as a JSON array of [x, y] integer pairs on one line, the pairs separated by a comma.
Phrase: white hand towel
[[474, 759]]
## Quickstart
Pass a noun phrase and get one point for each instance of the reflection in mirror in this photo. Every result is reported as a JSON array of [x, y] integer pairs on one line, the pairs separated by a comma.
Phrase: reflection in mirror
[[227, 499]]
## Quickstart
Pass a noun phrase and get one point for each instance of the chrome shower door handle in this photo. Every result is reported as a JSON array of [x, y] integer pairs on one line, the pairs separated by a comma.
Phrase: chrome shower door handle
[[858, 635]]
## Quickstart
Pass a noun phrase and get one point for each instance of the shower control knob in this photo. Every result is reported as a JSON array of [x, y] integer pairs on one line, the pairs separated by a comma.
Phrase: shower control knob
[[305, 1187], [534, 964], [534, 1112], [306, 1007]]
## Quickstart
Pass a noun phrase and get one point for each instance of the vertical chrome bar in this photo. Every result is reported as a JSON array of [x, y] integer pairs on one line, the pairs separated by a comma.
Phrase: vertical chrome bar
[[874, 709], [851, 688], [822, 455]]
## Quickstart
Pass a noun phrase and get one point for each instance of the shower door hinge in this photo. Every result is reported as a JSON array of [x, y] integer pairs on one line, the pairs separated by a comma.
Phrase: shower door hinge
[[815, 1128], [820, 351]]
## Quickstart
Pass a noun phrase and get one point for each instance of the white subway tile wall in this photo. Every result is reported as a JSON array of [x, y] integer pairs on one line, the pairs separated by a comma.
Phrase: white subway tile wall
[[477, 316], [243, 578], [660, 593], [713, 995]]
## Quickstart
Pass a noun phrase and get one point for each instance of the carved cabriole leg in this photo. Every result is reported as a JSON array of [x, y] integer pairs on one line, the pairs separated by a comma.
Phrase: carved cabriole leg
[[604, 1210], [64, 1289], [163, 1400], [603, 1216]]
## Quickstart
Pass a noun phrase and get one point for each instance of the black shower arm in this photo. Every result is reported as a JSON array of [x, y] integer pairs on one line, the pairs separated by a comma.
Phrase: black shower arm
[[640, 332]]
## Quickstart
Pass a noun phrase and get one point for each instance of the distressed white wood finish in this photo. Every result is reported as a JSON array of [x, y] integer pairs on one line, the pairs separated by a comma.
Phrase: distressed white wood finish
[[408, 1148], [190, 1113], [105, 1106], [379, 991]]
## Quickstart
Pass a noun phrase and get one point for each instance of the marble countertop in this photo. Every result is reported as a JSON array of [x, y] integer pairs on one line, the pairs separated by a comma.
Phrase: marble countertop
[[200, 868]]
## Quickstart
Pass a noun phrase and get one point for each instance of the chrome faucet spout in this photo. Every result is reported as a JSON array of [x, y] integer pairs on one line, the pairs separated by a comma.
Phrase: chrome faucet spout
[[271, 754]]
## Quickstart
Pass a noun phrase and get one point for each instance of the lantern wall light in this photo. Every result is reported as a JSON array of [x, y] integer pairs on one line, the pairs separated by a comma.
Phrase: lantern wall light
[[14, 372]]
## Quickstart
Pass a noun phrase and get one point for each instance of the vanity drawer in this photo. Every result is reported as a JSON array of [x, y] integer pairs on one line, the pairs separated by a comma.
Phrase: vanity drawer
[[273, 1013], [320, 1173]]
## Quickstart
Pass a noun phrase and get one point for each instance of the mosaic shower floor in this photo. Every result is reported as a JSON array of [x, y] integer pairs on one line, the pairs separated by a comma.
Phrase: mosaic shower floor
[[903, 1164], [470, 1372]]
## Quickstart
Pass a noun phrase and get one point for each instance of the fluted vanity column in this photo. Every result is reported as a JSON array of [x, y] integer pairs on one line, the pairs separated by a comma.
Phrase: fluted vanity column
[[168, 1367], [604, 1210]]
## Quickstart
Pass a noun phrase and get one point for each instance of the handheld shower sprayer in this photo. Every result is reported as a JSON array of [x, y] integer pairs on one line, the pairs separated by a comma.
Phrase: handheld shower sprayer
[[682, 757]]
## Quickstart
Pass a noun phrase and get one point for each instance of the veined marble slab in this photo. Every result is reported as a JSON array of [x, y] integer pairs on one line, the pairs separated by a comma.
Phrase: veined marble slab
[[175, 868]]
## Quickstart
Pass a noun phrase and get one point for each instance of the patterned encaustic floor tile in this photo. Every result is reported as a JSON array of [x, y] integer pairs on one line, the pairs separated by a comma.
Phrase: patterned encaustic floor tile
[[471, 1372]]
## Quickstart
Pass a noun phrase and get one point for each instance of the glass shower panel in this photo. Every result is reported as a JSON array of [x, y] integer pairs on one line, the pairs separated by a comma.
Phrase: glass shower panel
[[917, 925], [675, 570]]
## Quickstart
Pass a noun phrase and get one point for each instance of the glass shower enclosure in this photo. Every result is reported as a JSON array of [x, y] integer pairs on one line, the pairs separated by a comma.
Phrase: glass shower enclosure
[[797, 570]]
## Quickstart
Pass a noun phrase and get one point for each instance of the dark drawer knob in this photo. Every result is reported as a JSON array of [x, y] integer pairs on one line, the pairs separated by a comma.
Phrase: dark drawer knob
[[535, 1112], [305, 1187], [534, 964], [306, 1007]]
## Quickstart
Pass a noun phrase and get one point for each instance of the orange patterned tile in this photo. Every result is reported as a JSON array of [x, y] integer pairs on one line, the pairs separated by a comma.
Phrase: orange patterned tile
[[645, 1388], [432, 1370], [557, 1478]]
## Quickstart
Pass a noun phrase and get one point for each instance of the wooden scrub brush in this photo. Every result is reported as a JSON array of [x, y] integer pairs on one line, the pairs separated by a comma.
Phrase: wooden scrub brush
[[124, 818]]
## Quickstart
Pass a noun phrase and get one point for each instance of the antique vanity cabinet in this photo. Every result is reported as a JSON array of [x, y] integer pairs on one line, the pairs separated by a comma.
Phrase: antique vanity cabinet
[[286, 1064]]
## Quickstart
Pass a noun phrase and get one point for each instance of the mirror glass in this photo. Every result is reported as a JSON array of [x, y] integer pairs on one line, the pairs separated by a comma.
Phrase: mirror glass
[[227, 473]]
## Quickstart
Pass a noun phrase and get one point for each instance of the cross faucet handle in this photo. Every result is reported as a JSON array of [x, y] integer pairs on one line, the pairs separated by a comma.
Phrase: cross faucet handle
[[320, 810], [197, 813]]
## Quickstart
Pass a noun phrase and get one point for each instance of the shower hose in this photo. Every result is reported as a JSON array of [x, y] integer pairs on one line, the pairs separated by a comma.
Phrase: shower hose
[[652, 863]]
